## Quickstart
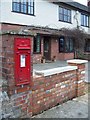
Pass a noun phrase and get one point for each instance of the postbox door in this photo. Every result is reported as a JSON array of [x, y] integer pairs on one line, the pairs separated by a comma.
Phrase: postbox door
[[23, 68], [22, 61]]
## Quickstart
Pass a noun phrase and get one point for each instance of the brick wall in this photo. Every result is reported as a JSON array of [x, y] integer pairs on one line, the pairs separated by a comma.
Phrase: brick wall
[[15, 99], [80, 78], [54, 48], [52, 90], [55, 51], [10, 27], [42, 93]]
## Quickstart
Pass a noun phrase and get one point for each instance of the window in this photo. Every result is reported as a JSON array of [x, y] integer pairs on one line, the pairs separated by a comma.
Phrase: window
[[61, 44], [23, 6], [84, 20], [69, 45], [37, 44], [87, 46], [64, 15], [66, 45]]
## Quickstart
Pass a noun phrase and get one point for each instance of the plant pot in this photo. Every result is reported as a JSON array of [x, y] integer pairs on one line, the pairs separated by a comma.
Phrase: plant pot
[[42, 60]]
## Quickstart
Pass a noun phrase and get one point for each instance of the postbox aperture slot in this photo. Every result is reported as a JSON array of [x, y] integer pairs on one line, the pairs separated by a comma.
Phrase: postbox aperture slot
[[23, 48]]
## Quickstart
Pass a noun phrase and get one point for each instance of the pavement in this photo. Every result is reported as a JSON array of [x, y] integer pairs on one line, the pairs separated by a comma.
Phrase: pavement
[[49, 65], [75, 108]]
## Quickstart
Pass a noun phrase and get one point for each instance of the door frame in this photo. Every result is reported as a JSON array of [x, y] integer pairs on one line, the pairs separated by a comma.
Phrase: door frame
[[47, 39]]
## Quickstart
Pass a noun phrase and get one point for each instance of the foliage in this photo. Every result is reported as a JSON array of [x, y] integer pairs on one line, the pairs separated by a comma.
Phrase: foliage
[[79, 37]]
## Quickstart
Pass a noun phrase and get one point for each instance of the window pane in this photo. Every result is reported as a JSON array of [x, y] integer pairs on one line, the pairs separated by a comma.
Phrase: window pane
[[65, 18], [16, 7], [67, 45], [37, 44], [84, 20], [87, 46], [69, 19], [64, 14], [24, 1], [31, 10], [87, 21], [29, 2], [60, 10], [69, 12], [71, 45], [61, 17], [61, 44], [23, 6]]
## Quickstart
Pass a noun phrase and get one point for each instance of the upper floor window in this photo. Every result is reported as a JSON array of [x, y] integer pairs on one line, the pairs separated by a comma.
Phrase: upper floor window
[[66, 45], [84, 20], [64, 15], [23, 6]]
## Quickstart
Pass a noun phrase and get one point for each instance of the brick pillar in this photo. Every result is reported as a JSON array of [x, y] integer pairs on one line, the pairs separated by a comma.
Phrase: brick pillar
[[16, 100], [80, 84]]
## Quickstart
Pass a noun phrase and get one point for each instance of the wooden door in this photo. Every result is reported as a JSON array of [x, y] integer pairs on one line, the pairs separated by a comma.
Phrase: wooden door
[[47, 48]]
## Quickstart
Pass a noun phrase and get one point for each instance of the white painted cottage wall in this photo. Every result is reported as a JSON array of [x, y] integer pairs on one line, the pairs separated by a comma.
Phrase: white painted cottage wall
[[46, 14]]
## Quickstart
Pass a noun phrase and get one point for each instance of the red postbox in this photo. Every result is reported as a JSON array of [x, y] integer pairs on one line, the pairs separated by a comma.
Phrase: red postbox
[[22, 61]]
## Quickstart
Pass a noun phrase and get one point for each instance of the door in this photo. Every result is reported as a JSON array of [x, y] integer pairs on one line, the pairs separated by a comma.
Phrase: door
[[23, 67], [47, 48]]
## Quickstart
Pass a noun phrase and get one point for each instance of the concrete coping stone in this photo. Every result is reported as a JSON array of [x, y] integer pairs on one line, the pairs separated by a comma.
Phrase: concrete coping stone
[[77, 61], [53, 71]]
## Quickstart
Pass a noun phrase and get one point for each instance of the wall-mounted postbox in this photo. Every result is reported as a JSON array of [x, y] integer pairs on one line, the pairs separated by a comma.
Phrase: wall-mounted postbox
[[22, 61]]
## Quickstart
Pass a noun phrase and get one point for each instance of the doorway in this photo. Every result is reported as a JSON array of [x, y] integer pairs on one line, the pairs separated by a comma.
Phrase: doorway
[[47, 48]]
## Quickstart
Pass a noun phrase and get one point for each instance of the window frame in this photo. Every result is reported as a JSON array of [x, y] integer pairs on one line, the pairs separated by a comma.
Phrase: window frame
[[68, 14], [65, 42], [23, 4], [85, 20], [62, 37], [35, 39]]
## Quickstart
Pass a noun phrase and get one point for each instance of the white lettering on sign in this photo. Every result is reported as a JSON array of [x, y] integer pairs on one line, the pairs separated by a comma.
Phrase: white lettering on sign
[[22, 61]]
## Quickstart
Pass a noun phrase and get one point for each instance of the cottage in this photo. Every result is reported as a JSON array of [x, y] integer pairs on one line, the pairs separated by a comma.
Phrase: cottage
[[30, 32], [45, 25]]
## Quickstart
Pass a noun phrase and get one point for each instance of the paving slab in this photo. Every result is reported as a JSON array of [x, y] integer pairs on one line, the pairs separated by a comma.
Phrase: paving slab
[[76, 108], [49, 65]]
